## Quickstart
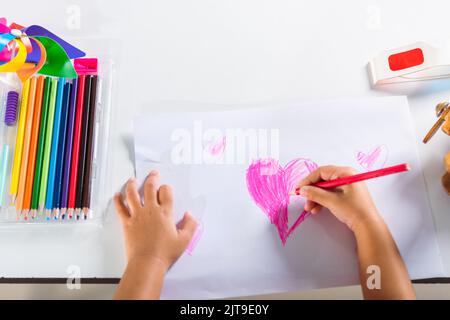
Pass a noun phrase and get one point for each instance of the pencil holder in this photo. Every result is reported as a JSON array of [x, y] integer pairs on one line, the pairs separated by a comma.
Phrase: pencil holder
[[53, 160], [55, 108]]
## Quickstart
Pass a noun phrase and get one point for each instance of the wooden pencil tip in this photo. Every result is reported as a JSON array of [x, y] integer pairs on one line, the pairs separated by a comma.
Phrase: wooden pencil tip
[[85, 213], [77, 213]]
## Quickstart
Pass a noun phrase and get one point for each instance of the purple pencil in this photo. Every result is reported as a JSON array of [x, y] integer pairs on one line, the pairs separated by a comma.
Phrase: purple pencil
[[68, 150]]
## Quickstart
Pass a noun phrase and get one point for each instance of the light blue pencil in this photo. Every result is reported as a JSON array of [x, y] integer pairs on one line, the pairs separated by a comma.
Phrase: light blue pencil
[[5, 150], [54, 149], [4, 162]]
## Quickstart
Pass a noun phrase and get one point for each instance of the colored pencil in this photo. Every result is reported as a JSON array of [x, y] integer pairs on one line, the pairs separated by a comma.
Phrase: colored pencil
[[3, 171], [19, 142], [26, 147], [61, 150], [359, 177], [83, 146], [76, 146], [68, 151], [47, 145], [33, 145], [40, 149], [4, 158], [86, 193], [54, 148]]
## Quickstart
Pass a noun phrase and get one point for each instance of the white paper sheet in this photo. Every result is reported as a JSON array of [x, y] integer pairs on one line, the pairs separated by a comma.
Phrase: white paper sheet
[[239, 251]]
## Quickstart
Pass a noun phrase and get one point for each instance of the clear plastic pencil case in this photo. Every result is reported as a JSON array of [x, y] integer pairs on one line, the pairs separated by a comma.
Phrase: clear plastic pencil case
[[55, 109], [48, 127]]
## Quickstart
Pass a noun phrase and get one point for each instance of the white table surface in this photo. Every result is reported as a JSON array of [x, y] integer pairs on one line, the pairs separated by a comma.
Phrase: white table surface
[[225, 52]]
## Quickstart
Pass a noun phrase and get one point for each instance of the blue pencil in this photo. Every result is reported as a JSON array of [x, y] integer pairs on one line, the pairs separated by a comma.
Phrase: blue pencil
[[61, 149], [54, 148]]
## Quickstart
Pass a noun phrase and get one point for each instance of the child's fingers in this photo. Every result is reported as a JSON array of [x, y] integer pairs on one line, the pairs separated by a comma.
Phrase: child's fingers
[[151, 188], [309, 205], [325, 173], [187, 228], [318, 195], [165, 197], [132, 195], [121, 209], [316, 209], [321, 174], [312, 207]]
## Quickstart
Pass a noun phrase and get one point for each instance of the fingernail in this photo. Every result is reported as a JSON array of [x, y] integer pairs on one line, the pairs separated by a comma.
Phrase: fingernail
[[304, 191], [153, 173], [297, 190]]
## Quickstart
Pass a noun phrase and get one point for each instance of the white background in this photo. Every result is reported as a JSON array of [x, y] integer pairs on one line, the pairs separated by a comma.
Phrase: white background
[[226, 52]]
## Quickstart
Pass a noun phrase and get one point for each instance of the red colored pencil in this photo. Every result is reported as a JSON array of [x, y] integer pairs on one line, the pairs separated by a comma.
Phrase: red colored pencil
[[76, 147], [360, 177]]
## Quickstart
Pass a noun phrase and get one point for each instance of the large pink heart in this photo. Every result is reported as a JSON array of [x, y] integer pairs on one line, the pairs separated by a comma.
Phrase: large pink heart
[[269, 185]]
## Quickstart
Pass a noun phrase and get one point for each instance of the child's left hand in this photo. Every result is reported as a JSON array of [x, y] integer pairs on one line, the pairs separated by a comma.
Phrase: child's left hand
[[151, 234]]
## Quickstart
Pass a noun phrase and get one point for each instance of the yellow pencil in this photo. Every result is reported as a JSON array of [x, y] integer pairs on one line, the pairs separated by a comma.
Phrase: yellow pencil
[[26, 146], [19, 142]]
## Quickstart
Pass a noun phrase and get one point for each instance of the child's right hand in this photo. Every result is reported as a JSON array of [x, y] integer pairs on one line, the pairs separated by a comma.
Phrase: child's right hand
[[351, 204]]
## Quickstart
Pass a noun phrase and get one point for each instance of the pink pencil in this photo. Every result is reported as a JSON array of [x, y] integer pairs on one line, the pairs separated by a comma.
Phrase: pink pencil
[[359, 177]]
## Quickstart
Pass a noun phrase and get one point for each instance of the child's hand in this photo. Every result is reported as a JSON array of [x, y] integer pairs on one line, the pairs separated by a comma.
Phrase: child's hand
[[351, 204], [151, 234]]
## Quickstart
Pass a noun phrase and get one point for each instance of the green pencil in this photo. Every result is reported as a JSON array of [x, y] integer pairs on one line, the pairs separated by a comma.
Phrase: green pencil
[[47, 145], [40, 151]]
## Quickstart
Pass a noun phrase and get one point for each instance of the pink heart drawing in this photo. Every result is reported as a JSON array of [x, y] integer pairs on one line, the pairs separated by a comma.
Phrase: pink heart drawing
[[375, 159], [269, 185]]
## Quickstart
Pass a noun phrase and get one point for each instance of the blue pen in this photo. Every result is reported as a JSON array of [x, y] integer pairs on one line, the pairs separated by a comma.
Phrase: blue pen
[[54, 148], [61, 150]]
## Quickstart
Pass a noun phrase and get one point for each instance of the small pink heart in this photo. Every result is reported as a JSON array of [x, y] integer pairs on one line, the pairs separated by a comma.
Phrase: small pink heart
[[375, 159], [216, 147], [269, 185]]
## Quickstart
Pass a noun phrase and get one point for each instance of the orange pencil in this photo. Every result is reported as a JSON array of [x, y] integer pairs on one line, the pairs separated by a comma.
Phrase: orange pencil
[[33, 145], [26, 147]]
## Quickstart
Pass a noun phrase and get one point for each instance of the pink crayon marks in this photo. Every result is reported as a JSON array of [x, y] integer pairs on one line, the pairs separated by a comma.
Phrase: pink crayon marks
[[375, 159], [269, 185], [195, 239], [217, 147]]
